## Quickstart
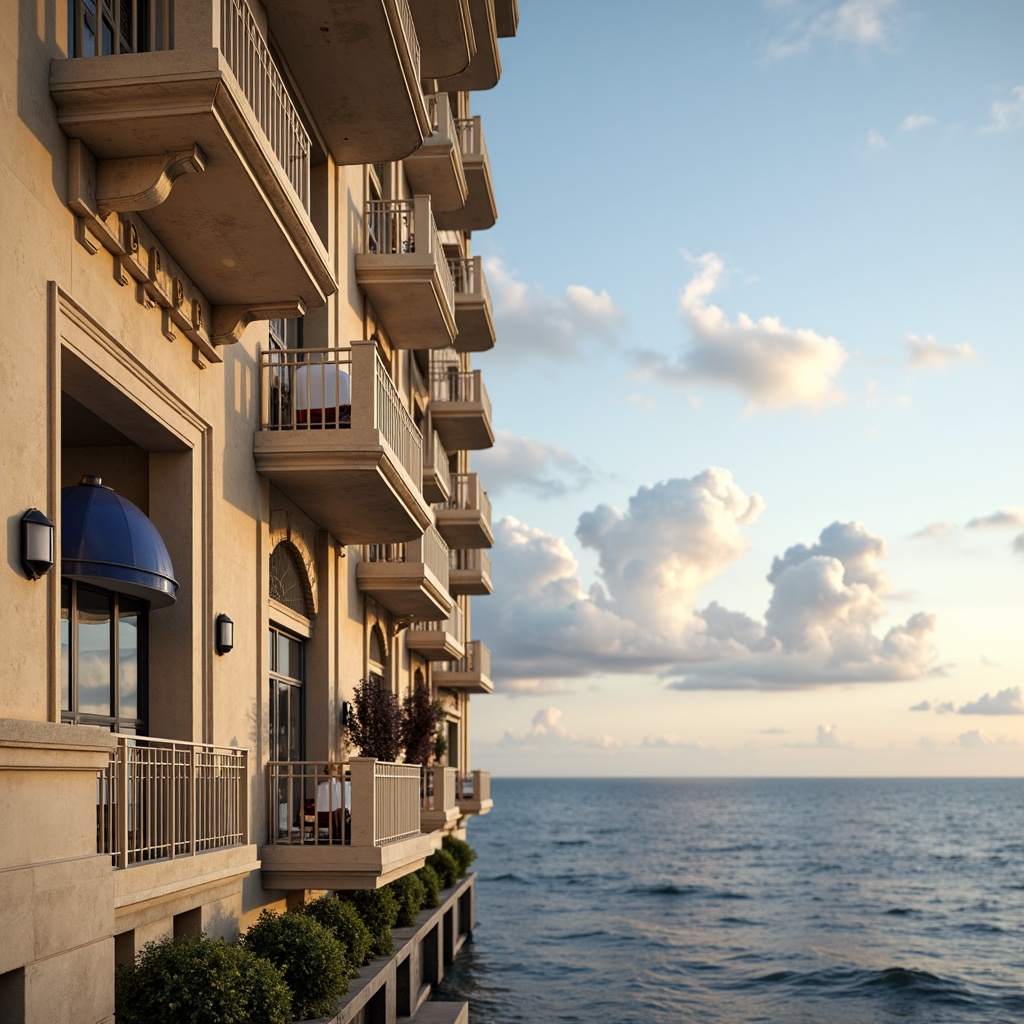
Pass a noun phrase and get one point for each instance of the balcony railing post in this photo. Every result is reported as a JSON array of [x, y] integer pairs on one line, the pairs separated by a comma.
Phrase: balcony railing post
[[364, 801], [121, 787], [242, 798], [364, 384]]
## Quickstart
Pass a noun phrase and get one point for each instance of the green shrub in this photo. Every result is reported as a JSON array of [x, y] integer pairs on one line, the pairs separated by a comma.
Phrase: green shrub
[[431, 883], [446, 866], [202, 981], [379, 910], [314, 963], [342, 920], [410, 893], [463, 853]]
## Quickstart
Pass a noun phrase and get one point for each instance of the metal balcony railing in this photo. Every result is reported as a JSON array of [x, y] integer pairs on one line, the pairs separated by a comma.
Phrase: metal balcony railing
[[430, 549], [466, 493], [471, 137], [435, 458], [102, 28], [452, 625], [440, 789], [163, 799], [470, 560], [476, 660], [450, 384], [468, 275], [409, 29]]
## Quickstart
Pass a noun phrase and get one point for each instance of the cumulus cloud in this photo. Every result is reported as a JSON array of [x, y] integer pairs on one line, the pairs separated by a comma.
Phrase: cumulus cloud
[[642, 614], [1006, 115], [1005, 518], [924, 705], [826, 738], [526, 464], [929, 353], [532, 322], [933, 530], [1005, 702], [858, 22], [670, 742], [774, 366], [977, 739], [546, 731], [915, 122]]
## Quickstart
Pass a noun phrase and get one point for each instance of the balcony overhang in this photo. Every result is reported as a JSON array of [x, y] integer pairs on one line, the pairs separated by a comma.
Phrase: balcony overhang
[[237, 227], [481, 209], [435, 487], [348, 481], [472, 681], [445, 31], [468, 808], [484, 69], [462, 426], [473, 582], [434, 644], [440, 821], [464, 528], [325, 866], [435, 169], [408, 590], [407, 292], [475, 322], [506, 17], [357, 73]]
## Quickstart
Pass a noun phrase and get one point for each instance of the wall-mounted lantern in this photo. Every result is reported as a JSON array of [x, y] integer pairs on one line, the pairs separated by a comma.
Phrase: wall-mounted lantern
[[224, 638], [36, 544]]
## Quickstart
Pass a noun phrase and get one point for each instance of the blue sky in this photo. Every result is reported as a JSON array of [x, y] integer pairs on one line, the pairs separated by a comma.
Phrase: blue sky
[[756, 278]]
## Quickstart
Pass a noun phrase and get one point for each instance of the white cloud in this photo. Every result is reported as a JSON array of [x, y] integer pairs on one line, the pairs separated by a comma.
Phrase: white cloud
[[524, 463], [1010, 517], [924, 705], [670, 742], [1006, 115], [977, 739], [1005, 702], [1018, 544], [915, 122], [858, 22], [933, 530], [876, 140], [546, 731], [929, 353], [826, 738], [775, 366], [531, 322]]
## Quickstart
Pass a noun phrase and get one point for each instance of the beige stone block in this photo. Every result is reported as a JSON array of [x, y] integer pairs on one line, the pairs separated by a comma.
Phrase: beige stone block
[[76, 987]]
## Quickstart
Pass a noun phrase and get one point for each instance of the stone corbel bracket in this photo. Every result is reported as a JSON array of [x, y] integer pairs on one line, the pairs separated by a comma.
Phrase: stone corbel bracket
[[230, 322], [142, 182]]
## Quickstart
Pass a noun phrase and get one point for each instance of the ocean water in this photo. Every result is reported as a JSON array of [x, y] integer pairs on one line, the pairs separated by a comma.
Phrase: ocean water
[[727, 901]]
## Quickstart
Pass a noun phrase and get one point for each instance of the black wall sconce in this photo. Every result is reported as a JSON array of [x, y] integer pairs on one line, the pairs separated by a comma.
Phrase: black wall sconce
[[346, 713], [224, 638], [36, 544]]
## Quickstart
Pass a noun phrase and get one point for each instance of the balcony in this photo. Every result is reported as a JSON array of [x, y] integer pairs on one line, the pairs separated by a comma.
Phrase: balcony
[[469, 572], [205, 143], [359, 831], [440, 806], [410, 579], [439, 640], [481, 210], [445, 30], [335, 438], [176, 816], [435, 169], [485, 68], [460, 408], [437, 481], [506, 17], [470, 674], [357, 64], [465, 519], [475, 793], [404, 273], [473, 311]]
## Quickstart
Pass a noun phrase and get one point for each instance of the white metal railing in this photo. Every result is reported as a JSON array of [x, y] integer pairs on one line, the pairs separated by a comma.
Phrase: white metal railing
[[444, 275], [440, 789], [468, 275], [471, 137], [474, 560], [450, 384], [452, 625], [430, 549], [435, 554], [466, 493], [305, 388], [257, 73], [103, 28], [409, 29], [396, 800], [435, 459], [161, 799], [394, 421]]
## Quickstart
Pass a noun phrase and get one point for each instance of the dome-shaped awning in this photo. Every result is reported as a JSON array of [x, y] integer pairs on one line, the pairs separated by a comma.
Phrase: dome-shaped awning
[[107, 540]]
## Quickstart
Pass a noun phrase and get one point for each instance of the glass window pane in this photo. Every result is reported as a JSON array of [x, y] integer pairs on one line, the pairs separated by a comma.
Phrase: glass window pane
[[94, 653], [295, 724], [289, 657], [280, 738], [128, 665], [273, 650], [65, 647]]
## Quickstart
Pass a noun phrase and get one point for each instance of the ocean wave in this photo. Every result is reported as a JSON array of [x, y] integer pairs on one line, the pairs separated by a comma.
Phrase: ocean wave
[[908, 982]]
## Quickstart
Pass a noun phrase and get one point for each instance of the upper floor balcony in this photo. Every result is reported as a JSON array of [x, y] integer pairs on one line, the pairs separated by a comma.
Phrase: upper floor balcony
[[358, 65], [435, 169], [475, 793], [460, 408], [335, 438], [437, 481], [473, 310], [465, 519], [471, 673], [409, 579], [440, 639], [404, 273], [469, 572], [200, 136], [440, 806], [445, 30], [484, 69], [355, 827], [480, 211]]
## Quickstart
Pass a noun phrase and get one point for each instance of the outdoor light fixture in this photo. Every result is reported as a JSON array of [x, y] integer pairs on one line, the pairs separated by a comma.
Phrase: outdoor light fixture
[[346, 713], [225, 634], [36, 544]]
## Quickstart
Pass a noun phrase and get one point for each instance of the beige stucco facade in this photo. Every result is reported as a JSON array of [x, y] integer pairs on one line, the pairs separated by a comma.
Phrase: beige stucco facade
[[227, 299]]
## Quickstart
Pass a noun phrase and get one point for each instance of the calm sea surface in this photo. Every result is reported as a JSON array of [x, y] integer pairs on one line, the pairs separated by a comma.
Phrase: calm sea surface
[[727, 901]]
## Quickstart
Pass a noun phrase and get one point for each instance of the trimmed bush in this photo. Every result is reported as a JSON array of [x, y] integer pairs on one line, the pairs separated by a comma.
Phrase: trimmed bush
[[313, 961], [202, 981], [431, 883], [410, 893], [446, 866], [379, 910], [342, 920], [463, 853]]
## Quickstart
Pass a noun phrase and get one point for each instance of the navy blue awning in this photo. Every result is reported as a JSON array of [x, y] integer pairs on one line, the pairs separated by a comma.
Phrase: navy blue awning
[[108, 541]]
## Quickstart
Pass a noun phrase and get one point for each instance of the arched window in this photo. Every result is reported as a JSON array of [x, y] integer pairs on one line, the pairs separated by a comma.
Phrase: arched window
[[288, 582], [378, 655]]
